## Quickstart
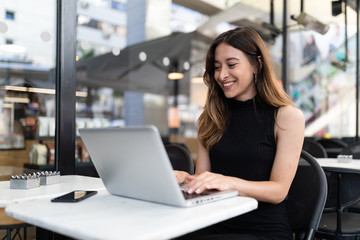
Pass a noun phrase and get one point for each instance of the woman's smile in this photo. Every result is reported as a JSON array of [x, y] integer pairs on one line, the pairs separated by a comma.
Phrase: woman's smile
[[228, 85]]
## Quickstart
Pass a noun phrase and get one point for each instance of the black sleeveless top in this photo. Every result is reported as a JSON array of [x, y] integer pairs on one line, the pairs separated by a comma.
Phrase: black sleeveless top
[[247, 150]]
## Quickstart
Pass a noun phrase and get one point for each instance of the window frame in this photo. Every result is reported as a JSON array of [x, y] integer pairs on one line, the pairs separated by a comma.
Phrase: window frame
[[65, 73]]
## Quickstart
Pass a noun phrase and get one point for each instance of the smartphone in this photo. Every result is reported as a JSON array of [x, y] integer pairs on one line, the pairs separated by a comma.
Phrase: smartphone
[[74, 196]]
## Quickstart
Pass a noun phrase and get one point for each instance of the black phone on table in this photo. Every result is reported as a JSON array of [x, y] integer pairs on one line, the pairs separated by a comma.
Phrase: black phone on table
[[74, 196]]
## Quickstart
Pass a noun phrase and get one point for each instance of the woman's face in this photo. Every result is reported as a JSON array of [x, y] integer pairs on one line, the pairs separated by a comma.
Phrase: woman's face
[[234, 73]]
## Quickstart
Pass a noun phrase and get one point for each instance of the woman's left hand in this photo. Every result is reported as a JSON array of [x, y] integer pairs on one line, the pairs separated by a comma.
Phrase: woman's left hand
[[181, 176], [208, 180]]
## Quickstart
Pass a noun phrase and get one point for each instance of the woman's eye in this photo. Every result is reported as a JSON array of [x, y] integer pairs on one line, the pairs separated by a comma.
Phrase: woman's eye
[[232, 65], [216, 68]]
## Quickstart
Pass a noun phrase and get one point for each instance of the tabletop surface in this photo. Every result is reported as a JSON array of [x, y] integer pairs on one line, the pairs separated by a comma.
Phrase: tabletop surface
[[105, 216], [67, 183], [333, 163]]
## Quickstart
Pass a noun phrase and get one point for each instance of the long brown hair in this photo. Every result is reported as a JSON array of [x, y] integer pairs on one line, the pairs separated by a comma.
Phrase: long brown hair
[[212, 121]]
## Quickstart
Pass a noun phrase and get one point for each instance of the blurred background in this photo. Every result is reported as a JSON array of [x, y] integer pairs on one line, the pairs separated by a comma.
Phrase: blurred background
[[140, 62]]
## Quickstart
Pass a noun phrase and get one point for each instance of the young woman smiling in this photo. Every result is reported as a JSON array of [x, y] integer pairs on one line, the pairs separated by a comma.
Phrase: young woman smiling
[[249, 135]]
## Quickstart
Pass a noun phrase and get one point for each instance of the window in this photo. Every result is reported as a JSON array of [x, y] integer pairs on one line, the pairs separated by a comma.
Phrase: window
[[9, 41], [10, 15], [101, 25], [118, 6], [27, 88]]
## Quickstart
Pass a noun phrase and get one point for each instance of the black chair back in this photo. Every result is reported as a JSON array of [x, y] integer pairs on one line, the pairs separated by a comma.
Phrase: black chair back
[[333, 146], [352, 149], [307, 196], [314, 148], [180, 157], [332, 143]]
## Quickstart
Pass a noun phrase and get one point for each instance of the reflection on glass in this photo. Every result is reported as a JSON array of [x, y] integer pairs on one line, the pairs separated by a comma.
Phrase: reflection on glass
[[326, 95], [27, 87], [127, 76]]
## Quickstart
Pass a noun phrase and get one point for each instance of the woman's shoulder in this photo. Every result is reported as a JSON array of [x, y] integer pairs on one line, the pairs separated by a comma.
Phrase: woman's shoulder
[[290, 114]]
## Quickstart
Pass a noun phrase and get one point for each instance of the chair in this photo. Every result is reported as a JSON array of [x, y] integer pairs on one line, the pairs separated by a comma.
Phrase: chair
[[348, 140], [304, 203], [333, 146], [10, 224], [337, 222], [352, 149], [314, 148], [306, 198], [180, 158]]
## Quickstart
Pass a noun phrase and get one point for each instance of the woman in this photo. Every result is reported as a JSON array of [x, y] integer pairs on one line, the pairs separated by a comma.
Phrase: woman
[[249, 136]]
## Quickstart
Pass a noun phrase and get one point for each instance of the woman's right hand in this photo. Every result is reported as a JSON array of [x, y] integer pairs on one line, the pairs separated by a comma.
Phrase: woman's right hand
[[181, 176]]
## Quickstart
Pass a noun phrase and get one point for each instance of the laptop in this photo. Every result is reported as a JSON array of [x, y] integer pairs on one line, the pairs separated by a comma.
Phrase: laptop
[[132, 162]]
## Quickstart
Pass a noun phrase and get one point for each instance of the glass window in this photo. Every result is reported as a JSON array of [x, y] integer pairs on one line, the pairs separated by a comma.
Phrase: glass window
[[322, 81], [118, 6], [27, 88], [128, 84], [10, 15]]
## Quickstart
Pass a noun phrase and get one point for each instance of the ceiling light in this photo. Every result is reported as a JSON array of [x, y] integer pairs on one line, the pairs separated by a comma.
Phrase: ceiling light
[[115, 51], [81, 94], [142, 56], [186, 65], [38, 90], [17, 99], [312, 23], [175, 75], [16, 88], [166, 61], [42, 90]]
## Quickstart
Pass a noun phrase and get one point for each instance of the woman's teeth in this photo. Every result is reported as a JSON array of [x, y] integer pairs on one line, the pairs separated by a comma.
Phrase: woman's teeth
[[228, 84]]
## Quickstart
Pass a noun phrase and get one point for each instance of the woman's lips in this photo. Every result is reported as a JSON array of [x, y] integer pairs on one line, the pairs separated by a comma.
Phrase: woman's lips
[[228, 85]]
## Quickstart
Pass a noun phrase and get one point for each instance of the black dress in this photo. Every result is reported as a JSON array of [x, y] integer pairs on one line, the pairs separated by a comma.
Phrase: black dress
[[247, 150]]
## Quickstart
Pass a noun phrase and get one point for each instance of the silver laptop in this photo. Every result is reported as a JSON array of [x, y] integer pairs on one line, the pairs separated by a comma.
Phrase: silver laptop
[[133, 162]]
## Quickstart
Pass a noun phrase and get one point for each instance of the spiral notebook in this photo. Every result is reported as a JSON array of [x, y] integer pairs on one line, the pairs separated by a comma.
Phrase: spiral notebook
[[133, 162]]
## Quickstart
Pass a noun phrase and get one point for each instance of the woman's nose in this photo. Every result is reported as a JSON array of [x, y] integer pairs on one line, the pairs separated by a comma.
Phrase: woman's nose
[[223, 74]]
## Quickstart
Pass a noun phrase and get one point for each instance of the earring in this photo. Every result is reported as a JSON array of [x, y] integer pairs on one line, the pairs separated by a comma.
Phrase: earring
[[255, 78]]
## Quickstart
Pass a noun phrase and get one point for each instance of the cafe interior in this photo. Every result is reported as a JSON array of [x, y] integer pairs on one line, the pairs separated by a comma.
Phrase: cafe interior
[[66, 65]]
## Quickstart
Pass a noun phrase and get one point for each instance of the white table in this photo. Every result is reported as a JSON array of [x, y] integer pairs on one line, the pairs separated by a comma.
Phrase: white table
[[67, 183], [105, 216], [332, 163]]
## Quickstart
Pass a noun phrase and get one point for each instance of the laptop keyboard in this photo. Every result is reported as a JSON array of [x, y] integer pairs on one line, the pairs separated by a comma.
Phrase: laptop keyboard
[[193, 195]]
